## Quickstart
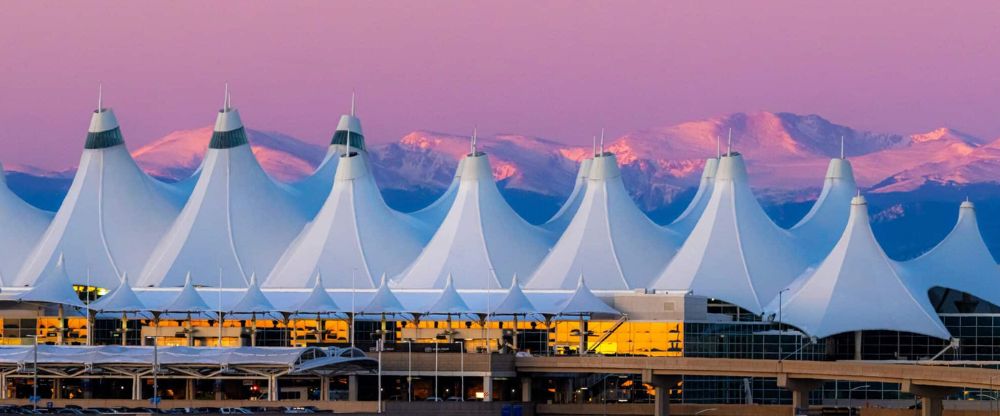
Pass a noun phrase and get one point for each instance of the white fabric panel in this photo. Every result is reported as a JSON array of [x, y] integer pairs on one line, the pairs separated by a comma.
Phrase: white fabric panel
[[480, 234], [822, 226], [433, 214], [734, 253], [857, 287], [685, 222], [558, 223], [610, 239], [22, 227], [960, 262], [109, 223], [355, 233]]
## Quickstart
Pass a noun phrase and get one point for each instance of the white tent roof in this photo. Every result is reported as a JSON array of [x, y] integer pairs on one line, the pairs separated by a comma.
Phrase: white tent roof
[[253, 300], [685, 222], [312, 191], [558, 223], [112, 216], [584, 302], [384, 301], [449, 302], [609, 238], [22, 225], [53, 287], [825, 221], [857, 287], [515, 302], [123, 299], [187, 300], [434, 214], [960, 262], [354, 238], [734, 253], [237, 221], [318, 300], [482, 241]]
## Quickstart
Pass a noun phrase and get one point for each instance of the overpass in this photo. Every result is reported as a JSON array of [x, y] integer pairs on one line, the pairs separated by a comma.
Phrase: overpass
[[929, 382]]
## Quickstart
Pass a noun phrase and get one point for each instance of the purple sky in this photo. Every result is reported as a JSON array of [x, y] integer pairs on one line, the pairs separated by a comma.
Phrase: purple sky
[[560, 70]]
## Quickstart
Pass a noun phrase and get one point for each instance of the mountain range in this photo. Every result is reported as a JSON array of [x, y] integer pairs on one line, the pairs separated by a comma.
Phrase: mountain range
[[786, 155]]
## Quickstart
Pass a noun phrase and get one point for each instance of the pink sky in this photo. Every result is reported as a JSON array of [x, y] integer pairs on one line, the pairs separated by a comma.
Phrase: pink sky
[[560, 70]]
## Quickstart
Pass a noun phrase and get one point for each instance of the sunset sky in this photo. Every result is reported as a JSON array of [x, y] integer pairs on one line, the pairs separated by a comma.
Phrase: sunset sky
[[560, 70]]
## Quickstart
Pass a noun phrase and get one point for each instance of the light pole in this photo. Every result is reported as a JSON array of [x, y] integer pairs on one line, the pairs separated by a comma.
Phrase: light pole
[[378, 347], [409, 369], [156, 371], [780, 292], [850, 397], [461, 372], [34, 375]]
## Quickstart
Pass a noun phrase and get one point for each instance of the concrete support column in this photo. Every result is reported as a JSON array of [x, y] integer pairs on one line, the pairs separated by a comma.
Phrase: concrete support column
[[3, 387], [61, 327], [324, 389], [661, 385], [487, 388], [567, 391], [352, 388], [56, 388], [583, 336], [525, 389], [88, 391], [218, 389], [189, 389], [136, 388], [800, 389], [272, 389], [931, 398]]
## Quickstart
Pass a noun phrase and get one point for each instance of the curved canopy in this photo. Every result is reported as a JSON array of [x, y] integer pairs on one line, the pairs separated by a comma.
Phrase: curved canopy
[[53, 287], [354, 238], [111, 218], [609, 238], [481, 242], [237, 221], [558, 223], [188, 300], [734, 253], [685, 222], [584, 302], [449, 302], [22, 225], [123, 299], [960, 262], [318, 301], [825, 221], [857, 287], [515, 302]]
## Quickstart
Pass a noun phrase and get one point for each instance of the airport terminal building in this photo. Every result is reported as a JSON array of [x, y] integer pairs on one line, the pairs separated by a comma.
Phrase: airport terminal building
[[231, 285]]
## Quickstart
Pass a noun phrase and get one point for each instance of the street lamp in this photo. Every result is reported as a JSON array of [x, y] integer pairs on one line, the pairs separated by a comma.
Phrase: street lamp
[[780, 292], [850, 396], [34, 375], [156, 371]]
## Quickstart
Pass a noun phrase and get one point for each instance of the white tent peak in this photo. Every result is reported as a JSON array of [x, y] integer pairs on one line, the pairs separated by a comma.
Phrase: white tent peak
[[253, 300], [103, 119], [384, 300], [449, 301], [822, 226], [759, 257], [961, 261], [584, 302], [433, 214], [515, 302], [686, 221], [609, 236], [53, 287], [354, 237], [228, 118], [318, 301], [558, 223], [857, 287], [123, 299], [481, 239]]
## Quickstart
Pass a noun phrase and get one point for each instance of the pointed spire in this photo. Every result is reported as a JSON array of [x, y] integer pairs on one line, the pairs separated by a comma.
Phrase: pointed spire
[[729, 144], [593, 150], [187, 279], [602, 143], [353, 104], [718, 147], [100, 97], [513, 282], [842, 147], [226, 102], [125, 278], [475, 132], [253, 279], [581, 283]]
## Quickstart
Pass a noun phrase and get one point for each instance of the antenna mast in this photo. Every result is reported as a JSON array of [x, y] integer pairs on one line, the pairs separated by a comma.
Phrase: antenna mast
[[100, 97], [729, 144]]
